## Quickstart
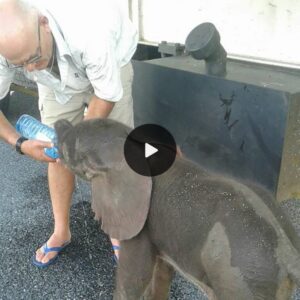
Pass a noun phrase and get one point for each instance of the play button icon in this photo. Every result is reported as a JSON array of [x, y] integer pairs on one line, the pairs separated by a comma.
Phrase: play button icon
[[150, 150]]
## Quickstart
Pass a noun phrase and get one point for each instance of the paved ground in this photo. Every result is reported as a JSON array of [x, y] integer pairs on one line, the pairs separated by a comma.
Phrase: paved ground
[[85, 270]]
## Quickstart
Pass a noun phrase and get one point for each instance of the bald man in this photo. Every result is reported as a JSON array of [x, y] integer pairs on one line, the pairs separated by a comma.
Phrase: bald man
[[79, 54]]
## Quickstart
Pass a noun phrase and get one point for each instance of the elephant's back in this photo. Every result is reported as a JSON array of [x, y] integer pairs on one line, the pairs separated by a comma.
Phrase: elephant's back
[[188, 202], [182, 204]]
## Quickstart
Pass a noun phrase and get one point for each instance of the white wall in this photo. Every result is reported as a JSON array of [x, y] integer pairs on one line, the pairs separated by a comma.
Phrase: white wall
[[254, 29]]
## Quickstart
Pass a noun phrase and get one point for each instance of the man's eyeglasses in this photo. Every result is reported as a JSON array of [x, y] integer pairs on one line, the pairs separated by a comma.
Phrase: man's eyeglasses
[[34, 59]]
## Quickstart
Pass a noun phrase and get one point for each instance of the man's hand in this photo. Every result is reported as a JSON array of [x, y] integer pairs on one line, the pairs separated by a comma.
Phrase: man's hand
[[98, 108], [35, 149]]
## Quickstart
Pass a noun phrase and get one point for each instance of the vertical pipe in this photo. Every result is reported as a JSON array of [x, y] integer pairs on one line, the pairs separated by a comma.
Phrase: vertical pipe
[[135, 9], [130, 9], [141, 19]]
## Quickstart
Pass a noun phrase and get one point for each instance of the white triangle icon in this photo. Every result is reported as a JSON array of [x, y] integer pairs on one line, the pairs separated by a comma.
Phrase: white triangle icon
[[149, 150]]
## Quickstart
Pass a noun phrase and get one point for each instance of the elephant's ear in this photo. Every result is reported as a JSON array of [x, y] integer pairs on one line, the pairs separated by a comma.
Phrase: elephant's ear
[[62, 128], [121, 197]]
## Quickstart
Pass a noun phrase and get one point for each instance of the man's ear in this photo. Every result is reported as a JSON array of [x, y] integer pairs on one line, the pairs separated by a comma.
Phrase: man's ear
[[43, 21]]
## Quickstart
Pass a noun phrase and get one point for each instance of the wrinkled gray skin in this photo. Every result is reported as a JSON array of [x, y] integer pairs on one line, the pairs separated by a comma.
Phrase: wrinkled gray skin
[[228, 238]]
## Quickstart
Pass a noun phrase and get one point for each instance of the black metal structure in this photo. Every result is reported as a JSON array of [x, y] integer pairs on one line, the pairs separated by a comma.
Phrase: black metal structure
[[245, 123]]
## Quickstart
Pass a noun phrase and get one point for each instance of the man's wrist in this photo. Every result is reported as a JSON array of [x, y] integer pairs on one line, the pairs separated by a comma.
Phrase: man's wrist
[[18, 144]]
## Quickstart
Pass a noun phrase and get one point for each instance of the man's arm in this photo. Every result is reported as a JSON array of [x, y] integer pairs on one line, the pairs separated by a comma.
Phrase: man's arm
[[98, 108], [7, 132]]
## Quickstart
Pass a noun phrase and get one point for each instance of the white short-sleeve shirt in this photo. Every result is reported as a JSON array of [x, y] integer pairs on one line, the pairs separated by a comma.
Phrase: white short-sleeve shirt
[[94, 39]]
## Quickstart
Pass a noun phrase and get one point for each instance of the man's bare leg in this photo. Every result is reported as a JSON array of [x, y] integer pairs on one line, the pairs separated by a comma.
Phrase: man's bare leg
[[61, 186]]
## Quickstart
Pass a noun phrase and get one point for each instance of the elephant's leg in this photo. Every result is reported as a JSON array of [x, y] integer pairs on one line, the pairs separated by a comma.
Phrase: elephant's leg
[[161, 280], [135, 267]]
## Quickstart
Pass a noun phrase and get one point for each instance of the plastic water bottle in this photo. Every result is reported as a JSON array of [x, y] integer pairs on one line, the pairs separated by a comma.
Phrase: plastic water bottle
[[33, 129]]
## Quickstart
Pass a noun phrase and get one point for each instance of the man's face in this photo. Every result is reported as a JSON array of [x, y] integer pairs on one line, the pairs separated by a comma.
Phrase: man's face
[[36, 54]]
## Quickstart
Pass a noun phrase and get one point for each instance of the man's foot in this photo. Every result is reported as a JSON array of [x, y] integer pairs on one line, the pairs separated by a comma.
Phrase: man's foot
[[54, 241], [47, 250], [116, 248]]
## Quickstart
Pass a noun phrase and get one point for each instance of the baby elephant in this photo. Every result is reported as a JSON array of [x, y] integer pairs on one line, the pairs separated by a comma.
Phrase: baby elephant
[[230, 239]]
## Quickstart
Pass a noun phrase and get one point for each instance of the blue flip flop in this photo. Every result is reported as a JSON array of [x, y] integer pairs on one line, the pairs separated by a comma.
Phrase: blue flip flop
[[45, 250], [115, 247]]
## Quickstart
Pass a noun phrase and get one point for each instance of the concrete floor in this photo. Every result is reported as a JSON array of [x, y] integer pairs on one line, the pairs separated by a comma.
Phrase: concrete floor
[[86, 269]]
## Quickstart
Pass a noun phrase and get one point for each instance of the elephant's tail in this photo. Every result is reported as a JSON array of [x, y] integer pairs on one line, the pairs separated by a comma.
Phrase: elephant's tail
[[293, 269]]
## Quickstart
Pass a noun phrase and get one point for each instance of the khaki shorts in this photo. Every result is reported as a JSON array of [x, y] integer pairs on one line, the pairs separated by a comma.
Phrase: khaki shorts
[[73, 110]]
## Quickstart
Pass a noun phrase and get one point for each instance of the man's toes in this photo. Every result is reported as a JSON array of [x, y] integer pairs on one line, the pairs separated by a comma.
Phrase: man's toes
[[116, 253], [47, 257], [39, 255]]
